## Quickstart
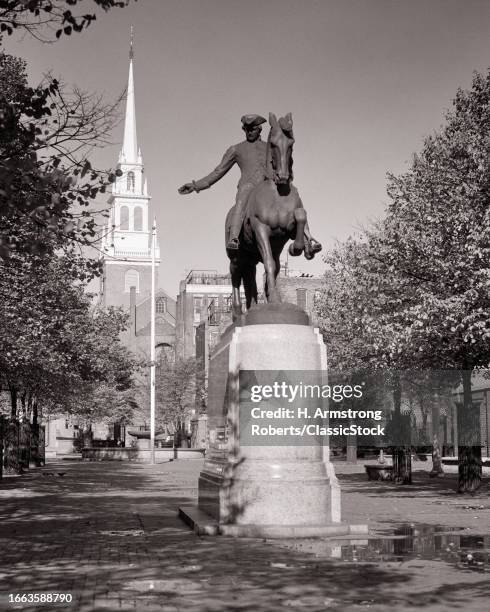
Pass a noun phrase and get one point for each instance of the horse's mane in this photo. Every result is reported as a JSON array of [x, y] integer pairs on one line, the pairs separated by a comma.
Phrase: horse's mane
[[269, 172]]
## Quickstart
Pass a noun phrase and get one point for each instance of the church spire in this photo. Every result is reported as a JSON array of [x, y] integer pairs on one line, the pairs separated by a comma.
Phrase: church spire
[[130, 153], [127, 253]]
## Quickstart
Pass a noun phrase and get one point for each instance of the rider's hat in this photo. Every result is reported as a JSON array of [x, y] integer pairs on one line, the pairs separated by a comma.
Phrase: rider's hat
[[250, 121]]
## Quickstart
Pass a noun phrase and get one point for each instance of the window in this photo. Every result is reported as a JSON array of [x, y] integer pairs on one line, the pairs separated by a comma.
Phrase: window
[[131, 279], [130, 181], [197, 309], [161, 305], [124, 220], [138, 219], [165, 354]]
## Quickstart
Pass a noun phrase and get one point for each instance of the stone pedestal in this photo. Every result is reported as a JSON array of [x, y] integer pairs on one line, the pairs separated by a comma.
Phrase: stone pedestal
[[273, 490]]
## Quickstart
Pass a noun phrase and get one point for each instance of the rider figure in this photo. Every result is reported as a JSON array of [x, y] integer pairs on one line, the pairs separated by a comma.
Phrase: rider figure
[[250, 155]]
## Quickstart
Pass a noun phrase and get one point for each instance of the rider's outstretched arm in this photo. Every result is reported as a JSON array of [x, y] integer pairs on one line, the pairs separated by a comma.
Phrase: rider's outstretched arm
[[229, 158]]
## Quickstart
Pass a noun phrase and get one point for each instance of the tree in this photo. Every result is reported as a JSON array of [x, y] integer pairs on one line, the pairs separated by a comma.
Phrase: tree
[[356, 311], [54, 342], [431, 257], [437, 233], [102, 402], [47, 20], [46, 179], [179, 391], [56, 347]]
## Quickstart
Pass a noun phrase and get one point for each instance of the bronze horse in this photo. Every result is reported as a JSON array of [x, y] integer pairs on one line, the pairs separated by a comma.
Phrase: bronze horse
[[274, 214]]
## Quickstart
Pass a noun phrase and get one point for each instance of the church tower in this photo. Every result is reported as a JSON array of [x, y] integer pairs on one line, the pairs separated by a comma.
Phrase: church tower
[[126, 244]]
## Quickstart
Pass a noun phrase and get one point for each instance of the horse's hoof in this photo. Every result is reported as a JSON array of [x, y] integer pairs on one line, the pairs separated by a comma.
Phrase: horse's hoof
[[294, 251], [312, 248]]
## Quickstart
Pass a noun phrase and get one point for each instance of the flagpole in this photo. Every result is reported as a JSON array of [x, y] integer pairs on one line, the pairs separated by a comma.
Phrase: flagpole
[[152, 347]]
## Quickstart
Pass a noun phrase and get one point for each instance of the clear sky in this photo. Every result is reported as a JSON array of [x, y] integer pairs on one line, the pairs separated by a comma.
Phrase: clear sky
[[366, 80]]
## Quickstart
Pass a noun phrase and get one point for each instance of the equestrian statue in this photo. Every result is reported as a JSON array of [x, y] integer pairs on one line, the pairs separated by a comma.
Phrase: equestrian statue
[[268, 210]]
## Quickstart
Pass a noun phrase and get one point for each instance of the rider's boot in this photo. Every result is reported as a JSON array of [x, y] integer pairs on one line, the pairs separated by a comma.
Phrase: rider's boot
[[236, 223], [233, 244]]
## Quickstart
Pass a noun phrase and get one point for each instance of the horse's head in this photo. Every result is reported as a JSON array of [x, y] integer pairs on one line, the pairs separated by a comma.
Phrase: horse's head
[[281, 142]]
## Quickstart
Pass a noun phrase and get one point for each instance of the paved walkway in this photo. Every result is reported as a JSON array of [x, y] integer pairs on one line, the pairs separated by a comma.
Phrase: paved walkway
[[108, 534]]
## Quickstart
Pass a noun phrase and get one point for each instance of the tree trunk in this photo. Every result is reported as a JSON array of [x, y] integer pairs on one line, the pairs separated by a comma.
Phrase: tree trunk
[[174, 448], [11, 456], [24, 444], [469, 449], [87, 437], [436, 459], [2, 429], [35, 450], [351, 443], [402, 456], [436, 447], [425, 415], [351, 450], [402, 465], [13, 402]]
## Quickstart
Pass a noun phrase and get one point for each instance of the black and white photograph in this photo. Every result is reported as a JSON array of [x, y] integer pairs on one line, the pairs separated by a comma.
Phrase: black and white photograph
[[244, 305]]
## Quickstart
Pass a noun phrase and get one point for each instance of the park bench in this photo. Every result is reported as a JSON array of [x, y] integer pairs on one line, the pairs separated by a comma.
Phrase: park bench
[[379, 472], [454, 461]]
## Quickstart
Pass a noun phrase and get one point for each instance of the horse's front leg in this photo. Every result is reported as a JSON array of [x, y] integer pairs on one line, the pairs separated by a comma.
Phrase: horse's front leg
[[262, 234], [297, 247], [312, 246], [236, 279]]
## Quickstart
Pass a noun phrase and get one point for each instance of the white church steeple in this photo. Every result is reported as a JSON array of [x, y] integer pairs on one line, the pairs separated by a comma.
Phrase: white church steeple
[[128, 235], [129, 152]]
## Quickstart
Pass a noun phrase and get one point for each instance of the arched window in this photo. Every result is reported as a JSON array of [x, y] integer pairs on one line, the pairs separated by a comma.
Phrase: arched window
[[165, 354], [131, 279], [161, 305], [138, 219], [124, 221], [130, 181]]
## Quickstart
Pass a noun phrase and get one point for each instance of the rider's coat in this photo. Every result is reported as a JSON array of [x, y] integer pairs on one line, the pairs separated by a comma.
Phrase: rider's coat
[[250, 158]]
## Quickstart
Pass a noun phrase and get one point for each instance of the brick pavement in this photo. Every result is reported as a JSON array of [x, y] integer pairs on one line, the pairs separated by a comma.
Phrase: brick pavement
[[108, 533], [431, 501]]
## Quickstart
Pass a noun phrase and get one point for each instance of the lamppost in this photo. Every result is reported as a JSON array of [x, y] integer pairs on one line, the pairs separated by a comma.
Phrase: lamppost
[[152, 347]]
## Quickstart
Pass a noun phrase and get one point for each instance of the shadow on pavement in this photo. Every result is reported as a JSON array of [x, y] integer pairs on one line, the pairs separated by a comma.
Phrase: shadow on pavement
[[109, 534], [422, 484]]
